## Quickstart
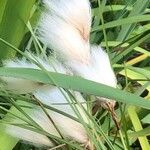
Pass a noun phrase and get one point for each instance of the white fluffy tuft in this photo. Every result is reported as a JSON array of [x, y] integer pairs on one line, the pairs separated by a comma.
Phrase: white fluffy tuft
[[98, 69], [39, 117], [59, 100], [68, 127], [26, 86], [29, 136], [65, 27], [75, 12]]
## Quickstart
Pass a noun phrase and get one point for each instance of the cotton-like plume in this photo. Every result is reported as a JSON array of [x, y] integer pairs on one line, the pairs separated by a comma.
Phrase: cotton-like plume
[[75, 12], [51, 96], [99, 70], [68, 127], [27, 135], [23, 86], [65, 27], [59, 29]]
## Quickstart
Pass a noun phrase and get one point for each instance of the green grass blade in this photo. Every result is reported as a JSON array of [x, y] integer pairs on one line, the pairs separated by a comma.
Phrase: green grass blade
[[113, 8], [131, 47], [2, 8], [6, 141], [101, 7], [13, 25], [69, 82], [144, 132], [137, 125], [139, 8], [128, 20]]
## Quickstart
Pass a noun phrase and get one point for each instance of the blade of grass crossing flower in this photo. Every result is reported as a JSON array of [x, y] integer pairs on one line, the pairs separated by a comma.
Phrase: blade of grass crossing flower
[[32, 101], [15, 113], [49, 117], [93, 125], [43, 132], [69, 82], [19, 113]]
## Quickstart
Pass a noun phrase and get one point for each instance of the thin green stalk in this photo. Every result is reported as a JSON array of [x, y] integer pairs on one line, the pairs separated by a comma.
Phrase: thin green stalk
[[122, 140], [101, 6]]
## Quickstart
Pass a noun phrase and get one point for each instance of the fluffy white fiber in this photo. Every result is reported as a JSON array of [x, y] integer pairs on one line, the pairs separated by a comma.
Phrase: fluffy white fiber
[[49, 95], [39, 117], [98, 69], [29, 136], [74, 12], [60, 100], [65, 27], [58, 30], [23, 86], [68, 127]]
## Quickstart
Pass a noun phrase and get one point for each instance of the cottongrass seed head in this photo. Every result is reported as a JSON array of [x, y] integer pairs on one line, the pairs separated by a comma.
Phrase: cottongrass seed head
[[51, 96], [65, 27]]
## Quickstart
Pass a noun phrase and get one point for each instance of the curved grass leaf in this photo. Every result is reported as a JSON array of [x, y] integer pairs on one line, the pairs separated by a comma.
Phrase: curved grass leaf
[[138, 74], [126, 30], [128, 20], [131, 47], [108, 8], [69, 82]]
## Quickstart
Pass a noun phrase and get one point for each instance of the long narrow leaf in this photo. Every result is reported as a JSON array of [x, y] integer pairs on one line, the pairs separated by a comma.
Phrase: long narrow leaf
[[129, 20], [13, 25], [2, 8], [68, 82]]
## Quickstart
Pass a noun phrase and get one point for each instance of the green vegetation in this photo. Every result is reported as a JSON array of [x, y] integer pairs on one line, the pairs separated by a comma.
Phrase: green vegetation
[[123, 29]]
